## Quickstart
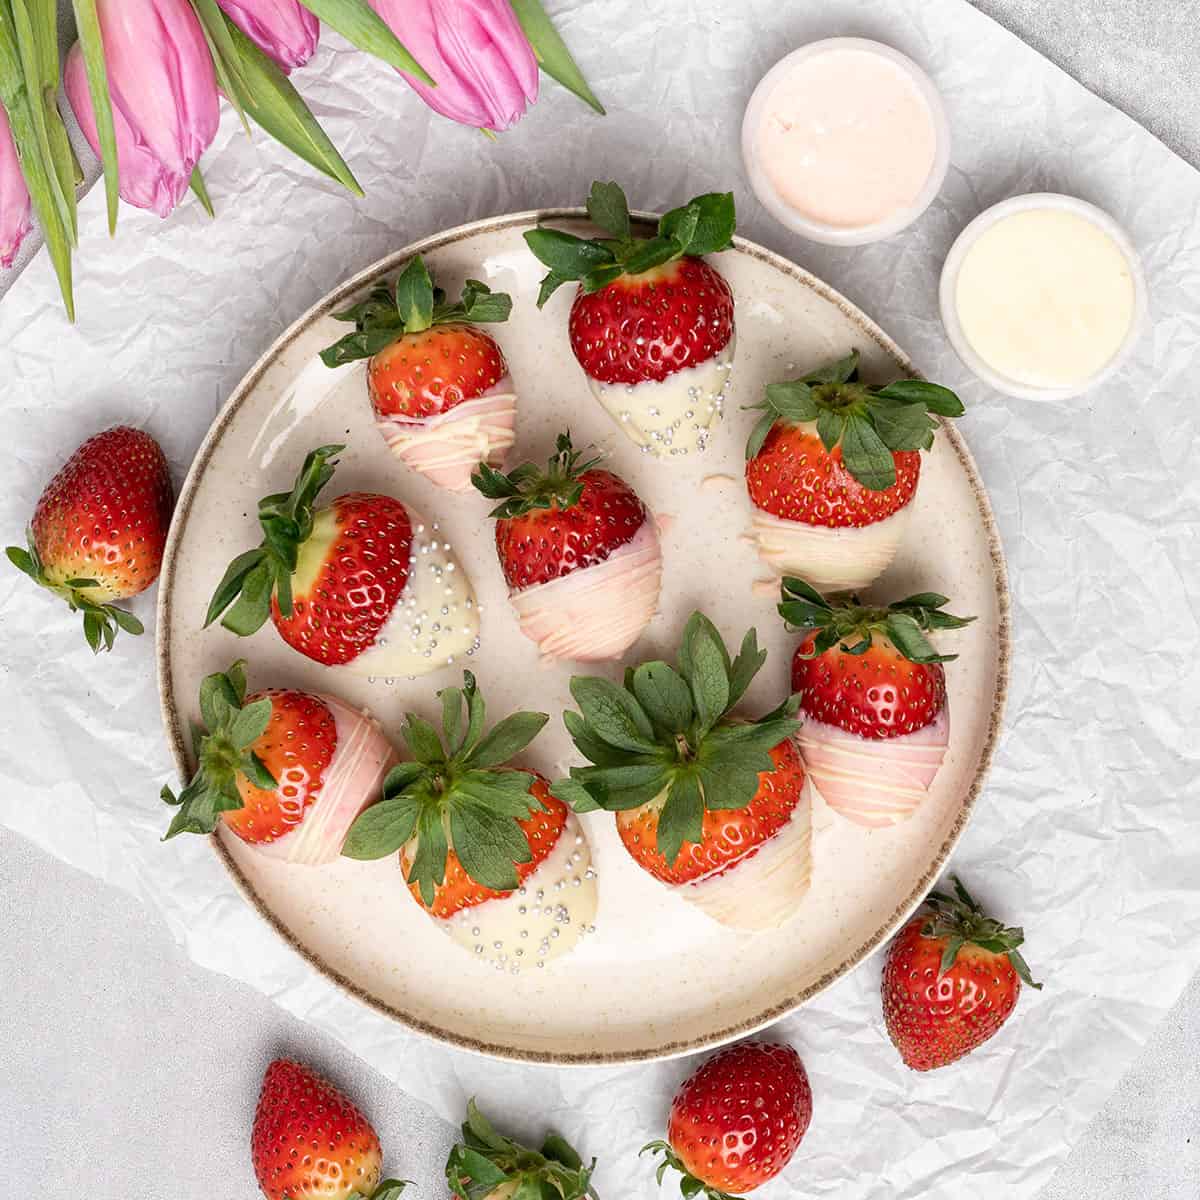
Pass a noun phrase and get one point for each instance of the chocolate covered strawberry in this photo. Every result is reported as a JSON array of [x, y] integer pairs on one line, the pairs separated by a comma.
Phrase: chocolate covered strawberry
[[366, 584], [737, 1120], [499, 863], [486, 1165], [832, 468], [873, 694], [439, 385], [310, 1143], [710, 804], [652, 322], [579, 552], [98, 531], [287, 771], [951, 979]]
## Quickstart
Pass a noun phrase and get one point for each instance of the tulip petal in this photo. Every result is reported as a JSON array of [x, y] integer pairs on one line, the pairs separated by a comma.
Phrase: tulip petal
[[283, 29], [15, 206]]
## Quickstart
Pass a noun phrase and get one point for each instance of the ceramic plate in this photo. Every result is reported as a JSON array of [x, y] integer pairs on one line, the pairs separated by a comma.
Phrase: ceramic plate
[[641, 986]]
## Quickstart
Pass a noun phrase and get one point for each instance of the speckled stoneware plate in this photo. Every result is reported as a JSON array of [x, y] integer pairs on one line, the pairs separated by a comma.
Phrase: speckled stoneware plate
[[643, 985]]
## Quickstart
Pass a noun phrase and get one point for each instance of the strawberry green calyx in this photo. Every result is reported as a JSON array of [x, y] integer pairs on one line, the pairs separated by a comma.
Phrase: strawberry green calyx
[[413, 306], [529, 487], [961, 921], [388, 1189], [100, 621], [704, 225], [454, 793], [869, 423], [486, 1161], [689, 1185], [667, 733], [852, 626], [254, 577], [223, 754]]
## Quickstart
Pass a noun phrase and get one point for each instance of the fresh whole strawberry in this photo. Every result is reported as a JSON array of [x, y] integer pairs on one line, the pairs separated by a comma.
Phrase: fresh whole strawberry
[[439, 385], [698, 795], [570, 519], [475, 835], [485, 1165], [98, 531], [270, 761], [832, 456], [335, 581], [951, 979], [737, 1121], [646, 310], [310, 1143]]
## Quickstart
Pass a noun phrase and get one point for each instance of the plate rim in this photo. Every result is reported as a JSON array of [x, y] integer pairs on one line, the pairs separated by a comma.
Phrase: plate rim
[[668, 1049]]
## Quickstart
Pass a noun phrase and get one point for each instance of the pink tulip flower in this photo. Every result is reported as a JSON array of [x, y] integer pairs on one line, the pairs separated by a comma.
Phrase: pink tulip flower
[[14, 197], [475, 50], [164, 96], [283, 29]]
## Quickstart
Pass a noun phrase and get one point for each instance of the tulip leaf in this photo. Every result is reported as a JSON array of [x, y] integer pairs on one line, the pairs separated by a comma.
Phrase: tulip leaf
[[363, 27], [274, 103], [224, 55], [551, 51], [87, 22], [18, 103], [200, 191]]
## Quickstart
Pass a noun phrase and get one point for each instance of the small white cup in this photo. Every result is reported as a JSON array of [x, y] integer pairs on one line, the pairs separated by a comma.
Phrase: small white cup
[[817, 231], [1038, 201]]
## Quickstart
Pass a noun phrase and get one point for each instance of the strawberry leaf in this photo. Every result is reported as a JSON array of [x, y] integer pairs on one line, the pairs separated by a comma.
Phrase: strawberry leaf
[[574, 795], [664, 696], [613, 714], [414, 296], [713, 229], [865, 455], [591, 745], [487, 843], [931, 396], [422, 740], [429, 862], [383, 828], [682, 817], [608, 208], [507, 739]]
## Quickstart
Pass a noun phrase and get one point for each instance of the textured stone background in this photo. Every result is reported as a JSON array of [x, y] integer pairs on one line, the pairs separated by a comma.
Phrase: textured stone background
[[127, 1072]]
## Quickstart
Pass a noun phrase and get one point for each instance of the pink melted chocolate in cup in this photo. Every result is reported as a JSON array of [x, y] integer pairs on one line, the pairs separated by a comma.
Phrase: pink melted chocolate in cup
[[846, 141]]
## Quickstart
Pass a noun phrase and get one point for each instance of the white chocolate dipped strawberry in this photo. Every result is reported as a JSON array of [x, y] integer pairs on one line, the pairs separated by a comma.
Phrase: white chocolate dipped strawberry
[[287, 771], [652, 322], [832, 468], [712, 805], [501, 865], [440, 387], [872, 691], [579, 552], [366, 585]]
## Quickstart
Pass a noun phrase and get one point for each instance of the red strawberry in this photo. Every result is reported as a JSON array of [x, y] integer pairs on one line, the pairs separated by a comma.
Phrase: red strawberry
[[425, 355], [646, 308], [737, 1121], [648, 326], [951, 979], [726, 834], [832, 451], [310, 1143], [99, 529], [332, 579], [567, 518], [868, 670], [433, 371], [541, 829], [264, 761], [673, 765]]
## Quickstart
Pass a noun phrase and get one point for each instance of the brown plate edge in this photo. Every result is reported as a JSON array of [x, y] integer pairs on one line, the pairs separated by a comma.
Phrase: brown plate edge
[[664, 1050]]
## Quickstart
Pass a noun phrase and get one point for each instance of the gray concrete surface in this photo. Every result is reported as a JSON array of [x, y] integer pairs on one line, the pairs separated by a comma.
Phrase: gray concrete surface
[[128, 1072]]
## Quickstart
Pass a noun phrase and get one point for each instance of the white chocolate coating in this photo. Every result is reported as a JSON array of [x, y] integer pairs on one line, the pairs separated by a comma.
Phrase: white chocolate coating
[[361, 759], [832, 560], [674, 416], [543, 919], [447, 447], [873, 782], [597, 612], [436, 618], [764, 889]]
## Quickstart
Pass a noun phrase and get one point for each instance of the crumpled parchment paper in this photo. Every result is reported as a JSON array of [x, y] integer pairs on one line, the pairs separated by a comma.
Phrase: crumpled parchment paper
[[1085, 831]]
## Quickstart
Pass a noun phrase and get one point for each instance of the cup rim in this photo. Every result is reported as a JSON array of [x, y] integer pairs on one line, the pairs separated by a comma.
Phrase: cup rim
[[1032, 202], [819, 231]]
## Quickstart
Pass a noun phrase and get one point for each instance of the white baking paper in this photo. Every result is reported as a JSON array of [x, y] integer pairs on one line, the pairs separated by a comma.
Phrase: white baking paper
[[1085, 833]]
